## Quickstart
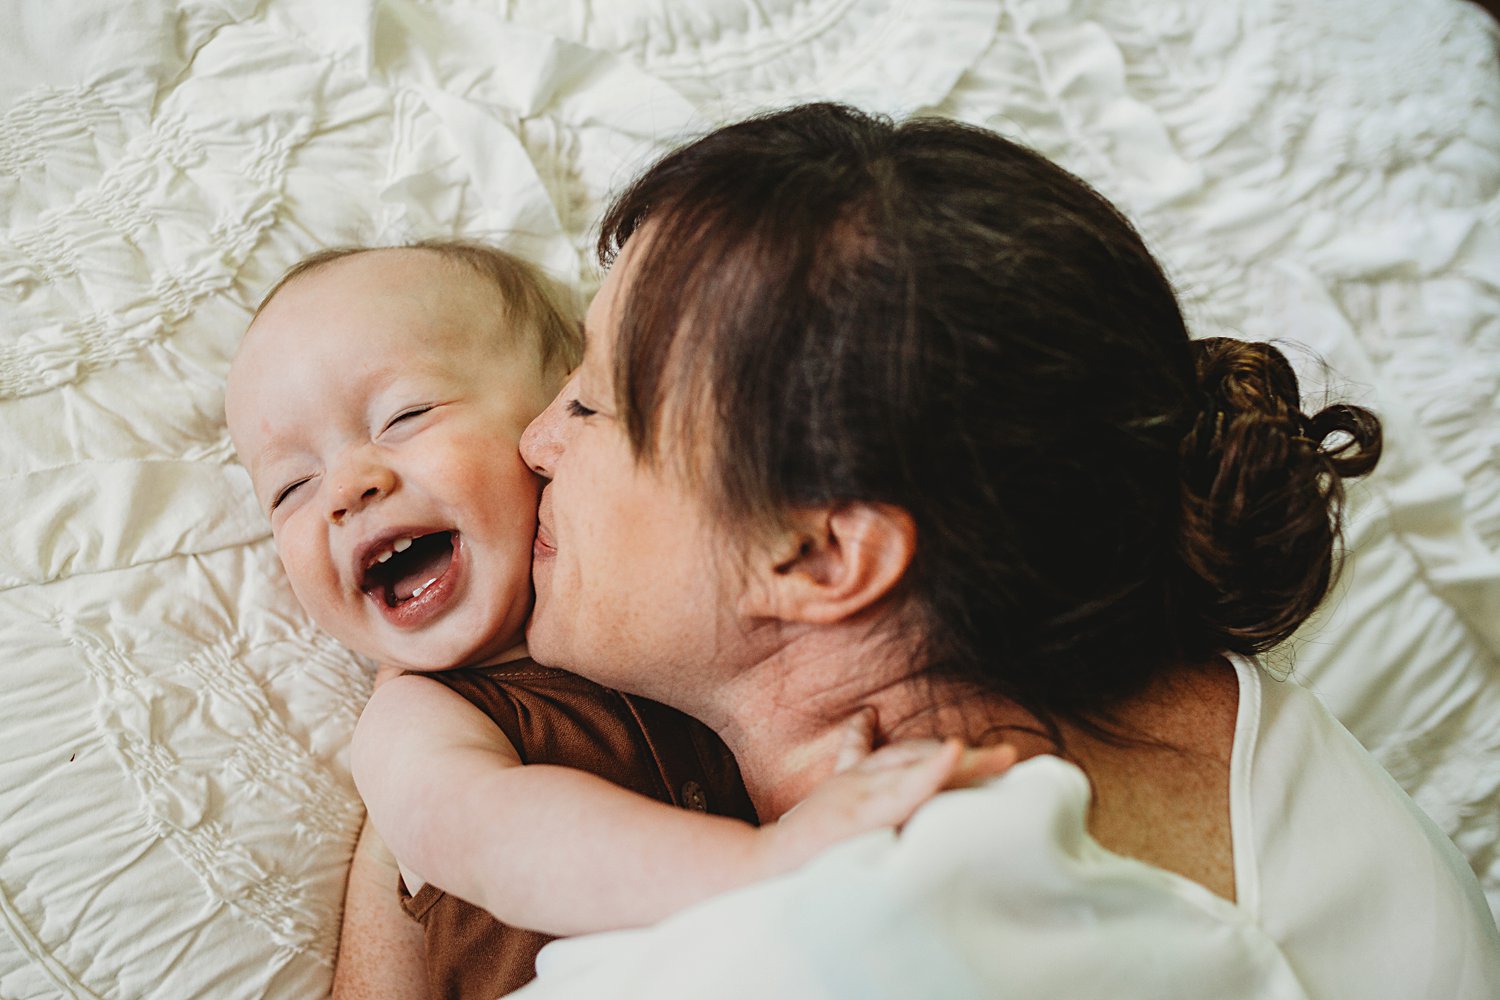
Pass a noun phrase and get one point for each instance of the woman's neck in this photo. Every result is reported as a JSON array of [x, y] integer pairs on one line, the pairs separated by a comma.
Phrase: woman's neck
[[1163, 800], [784, 719]]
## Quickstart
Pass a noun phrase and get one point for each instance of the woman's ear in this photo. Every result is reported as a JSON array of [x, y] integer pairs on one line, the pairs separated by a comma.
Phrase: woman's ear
[[834, 563]]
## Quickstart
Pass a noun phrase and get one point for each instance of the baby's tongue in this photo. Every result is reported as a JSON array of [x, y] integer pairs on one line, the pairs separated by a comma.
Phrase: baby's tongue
[[426, 560]]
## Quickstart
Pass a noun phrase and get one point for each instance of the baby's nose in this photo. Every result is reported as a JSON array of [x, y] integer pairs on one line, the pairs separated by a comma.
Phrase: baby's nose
[[358, 488]]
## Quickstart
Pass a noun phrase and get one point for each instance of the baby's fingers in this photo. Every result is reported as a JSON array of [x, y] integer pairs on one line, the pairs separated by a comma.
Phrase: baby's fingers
[[978, 764], [918, 771], [858, 739]]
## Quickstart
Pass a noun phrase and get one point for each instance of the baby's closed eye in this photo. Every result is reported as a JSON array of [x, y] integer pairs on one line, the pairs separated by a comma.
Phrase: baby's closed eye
[[407, 414], [286, 491]]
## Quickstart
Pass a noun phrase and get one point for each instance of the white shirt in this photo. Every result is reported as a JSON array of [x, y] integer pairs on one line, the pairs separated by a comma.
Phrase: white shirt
[[1344, 889]]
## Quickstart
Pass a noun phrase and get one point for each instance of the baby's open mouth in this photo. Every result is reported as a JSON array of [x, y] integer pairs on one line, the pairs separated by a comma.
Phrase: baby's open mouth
[[408, 567]]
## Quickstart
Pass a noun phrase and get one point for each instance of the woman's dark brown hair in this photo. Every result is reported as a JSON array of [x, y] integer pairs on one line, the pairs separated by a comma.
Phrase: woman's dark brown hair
[[832, 307]]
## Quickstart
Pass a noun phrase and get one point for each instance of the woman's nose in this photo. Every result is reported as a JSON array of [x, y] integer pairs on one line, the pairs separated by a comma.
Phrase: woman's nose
[[360, 482], [542, 442]]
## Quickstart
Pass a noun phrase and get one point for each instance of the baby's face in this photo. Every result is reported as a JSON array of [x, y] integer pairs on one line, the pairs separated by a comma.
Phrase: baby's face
[[379, 416]]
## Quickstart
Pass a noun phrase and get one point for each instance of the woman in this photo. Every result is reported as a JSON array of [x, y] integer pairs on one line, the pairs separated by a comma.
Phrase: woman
[[906, 418]]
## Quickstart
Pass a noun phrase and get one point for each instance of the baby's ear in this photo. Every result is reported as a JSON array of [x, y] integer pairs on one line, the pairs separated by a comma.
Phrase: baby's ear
[[833, 563]]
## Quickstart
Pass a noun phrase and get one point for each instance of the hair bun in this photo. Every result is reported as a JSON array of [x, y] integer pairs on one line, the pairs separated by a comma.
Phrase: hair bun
[[1359, 450], [1262, 496]]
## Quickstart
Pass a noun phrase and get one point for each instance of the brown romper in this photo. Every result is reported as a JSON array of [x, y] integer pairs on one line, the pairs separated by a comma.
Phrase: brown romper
[[554, 717]]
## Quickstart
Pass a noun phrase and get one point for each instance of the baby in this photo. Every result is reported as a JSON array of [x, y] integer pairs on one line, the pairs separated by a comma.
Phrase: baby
[[378, 401]]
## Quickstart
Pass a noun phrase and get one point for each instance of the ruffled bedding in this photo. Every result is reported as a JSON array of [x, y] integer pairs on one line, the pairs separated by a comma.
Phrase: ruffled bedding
[[176, 813]]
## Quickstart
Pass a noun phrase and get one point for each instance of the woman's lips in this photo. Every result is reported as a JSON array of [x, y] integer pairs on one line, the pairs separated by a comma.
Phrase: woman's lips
[[435, 597], [542, 547]]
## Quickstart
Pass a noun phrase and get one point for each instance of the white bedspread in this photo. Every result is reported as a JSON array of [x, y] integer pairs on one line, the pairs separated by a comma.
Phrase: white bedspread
[[176, 813]]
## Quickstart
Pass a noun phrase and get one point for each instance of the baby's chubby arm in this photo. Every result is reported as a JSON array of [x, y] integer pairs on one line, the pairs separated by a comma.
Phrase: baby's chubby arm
[[565, 852]]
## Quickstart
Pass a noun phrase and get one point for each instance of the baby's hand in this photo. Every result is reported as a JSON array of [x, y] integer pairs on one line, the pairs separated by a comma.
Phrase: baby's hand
[[869, 791]]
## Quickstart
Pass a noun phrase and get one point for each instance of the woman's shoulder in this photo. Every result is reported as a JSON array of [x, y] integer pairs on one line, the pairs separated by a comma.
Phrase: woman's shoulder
[[1001, 890], [1339, 860], [996, 890]]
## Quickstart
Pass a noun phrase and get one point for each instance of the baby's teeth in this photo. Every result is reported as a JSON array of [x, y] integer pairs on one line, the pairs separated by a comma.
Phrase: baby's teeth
[[402, 545], [384, 556]]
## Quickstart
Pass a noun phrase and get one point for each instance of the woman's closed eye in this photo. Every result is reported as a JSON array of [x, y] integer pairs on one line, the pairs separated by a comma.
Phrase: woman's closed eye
[[577, 409]]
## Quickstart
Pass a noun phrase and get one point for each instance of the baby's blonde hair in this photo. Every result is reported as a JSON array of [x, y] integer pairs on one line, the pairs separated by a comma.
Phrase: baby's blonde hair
[[535, 301]]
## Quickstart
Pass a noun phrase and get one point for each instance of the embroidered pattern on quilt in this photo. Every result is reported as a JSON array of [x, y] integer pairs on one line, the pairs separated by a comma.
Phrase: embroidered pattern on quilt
[[175, 806]]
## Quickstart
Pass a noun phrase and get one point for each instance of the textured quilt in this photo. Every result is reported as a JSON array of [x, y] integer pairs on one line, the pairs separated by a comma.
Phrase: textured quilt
[[176, 813]]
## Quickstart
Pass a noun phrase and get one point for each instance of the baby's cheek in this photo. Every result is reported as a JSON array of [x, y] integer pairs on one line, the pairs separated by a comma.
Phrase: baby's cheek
[[510, 480], [288, 563], [302, 568]]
